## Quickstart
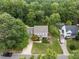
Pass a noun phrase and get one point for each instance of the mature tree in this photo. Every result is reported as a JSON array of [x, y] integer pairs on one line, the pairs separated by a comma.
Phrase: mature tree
[[69, 22], [17, 8], [35, 12], [55, 18], [46, 20], [68, 10], [55, 7], [13, 33], [31, 16], [35, 15]]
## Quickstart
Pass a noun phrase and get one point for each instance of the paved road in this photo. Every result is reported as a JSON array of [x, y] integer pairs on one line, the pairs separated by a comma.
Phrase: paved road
[[36, 56], [26, 51], [15, 56], [62, 57]]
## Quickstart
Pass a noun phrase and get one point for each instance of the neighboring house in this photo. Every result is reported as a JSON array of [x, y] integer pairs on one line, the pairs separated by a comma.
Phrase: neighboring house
[[40, 31], [69, 31]]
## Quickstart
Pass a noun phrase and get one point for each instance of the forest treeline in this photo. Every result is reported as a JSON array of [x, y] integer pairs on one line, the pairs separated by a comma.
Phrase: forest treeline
[[42, 12]]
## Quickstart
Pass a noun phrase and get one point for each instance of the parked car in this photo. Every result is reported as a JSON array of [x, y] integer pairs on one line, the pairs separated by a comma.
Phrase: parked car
[[7, 54]]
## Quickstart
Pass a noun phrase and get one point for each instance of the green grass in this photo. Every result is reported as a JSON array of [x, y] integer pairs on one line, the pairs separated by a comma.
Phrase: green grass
[[72, 42], [42, 47], [75, 55]]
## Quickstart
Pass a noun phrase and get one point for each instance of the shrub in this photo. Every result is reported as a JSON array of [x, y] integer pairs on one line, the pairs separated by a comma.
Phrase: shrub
[[35, 38], [40, 57], [45, 40], [50, 54], [72, 47], [77, 37]]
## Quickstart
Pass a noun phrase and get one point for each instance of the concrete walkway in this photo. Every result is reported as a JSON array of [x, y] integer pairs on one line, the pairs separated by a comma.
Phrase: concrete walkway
[[27, 50]]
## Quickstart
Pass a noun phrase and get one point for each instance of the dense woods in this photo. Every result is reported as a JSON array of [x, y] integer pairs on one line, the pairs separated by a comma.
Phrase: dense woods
[[42, 12]]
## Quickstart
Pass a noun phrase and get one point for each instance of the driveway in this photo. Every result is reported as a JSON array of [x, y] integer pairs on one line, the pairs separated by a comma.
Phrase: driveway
[[63, 44], [27, 50], [64, 48]]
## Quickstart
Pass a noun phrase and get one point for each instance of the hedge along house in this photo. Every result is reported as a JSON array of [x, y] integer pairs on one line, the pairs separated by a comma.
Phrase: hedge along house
[[40, 31], [69, 31]]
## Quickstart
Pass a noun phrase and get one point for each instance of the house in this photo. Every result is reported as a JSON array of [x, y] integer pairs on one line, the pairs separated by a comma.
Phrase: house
[[69, 31], [40, 31]]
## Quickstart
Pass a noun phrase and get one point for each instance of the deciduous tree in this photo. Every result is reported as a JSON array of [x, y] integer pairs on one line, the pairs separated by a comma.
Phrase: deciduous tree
[[13, 33]]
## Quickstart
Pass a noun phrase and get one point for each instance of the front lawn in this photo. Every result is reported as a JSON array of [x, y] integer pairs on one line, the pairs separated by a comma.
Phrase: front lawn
[[42, 47], [75, 55], [73, 45]]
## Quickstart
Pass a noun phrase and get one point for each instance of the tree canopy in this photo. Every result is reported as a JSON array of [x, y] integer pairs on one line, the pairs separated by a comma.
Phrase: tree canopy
[[34, 12], [13, 34]]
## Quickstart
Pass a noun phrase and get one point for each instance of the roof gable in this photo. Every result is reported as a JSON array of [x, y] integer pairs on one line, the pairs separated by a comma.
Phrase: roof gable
[[41, 29]]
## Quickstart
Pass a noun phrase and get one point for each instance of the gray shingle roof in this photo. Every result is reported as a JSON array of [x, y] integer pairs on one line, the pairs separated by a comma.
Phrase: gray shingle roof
[[73, 28], [41, 30]]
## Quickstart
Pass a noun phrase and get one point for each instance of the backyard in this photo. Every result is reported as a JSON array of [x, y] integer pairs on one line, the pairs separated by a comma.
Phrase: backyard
[[42, 47]]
